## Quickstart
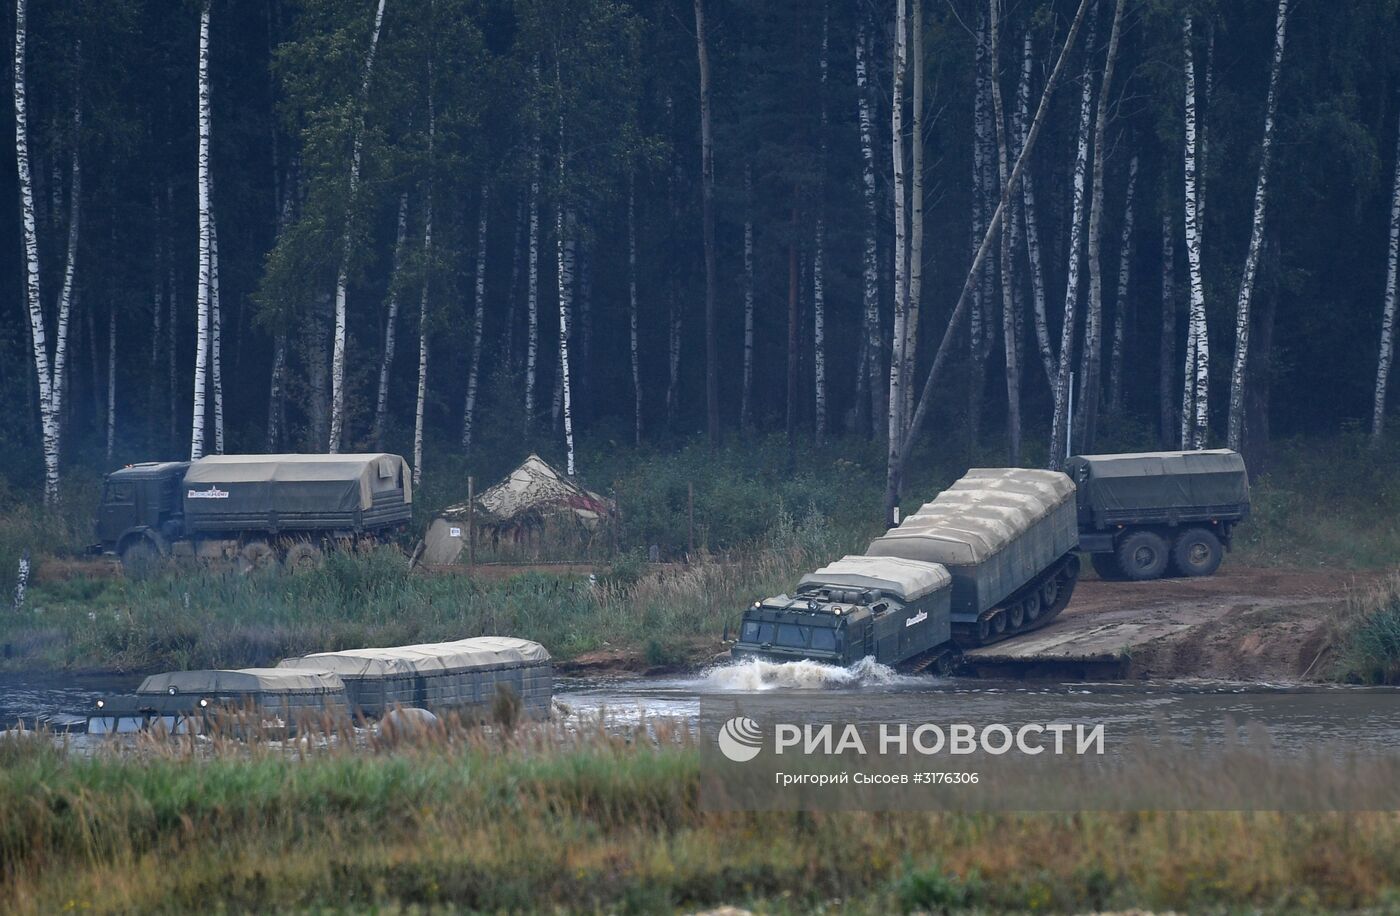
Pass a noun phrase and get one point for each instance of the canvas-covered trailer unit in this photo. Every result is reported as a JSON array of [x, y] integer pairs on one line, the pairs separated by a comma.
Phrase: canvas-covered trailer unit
[[466, 675], [1007, 537], [181, 701], [1144, 514], [273, 493]]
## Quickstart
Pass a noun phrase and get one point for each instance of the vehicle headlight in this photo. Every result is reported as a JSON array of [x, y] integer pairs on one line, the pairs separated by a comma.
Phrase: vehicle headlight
[[101, 704]]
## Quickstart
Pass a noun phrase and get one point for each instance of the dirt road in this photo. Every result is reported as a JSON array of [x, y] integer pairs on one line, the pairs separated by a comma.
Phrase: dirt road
[[1241, 624]]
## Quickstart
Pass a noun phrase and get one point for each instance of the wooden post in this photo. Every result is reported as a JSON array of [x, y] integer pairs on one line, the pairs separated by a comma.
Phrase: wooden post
[[689, 521], [471, 523]]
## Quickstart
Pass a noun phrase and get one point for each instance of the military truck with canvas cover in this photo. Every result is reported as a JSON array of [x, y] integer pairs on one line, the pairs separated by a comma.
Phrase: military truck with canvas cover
[[991, 556], [252, 509], [1146, 514], [466, 675]]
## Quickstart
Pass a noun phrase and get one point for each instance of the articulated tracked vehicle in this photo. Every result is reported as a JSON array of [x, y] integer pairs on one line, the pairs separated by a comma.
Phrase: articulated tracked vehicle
[[992, 556]]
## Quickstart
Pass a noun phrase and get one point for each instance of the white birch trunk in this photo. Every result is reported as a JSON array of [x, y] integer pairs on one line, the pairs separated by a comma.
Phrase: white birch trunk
[[479, 321], [1093, 315], [566, 282], [532, 292], [819, 250], [981, 178], [1123, 303], [897, 363], [1033, 253], [391, 321], [111, 381], [1008, 299], [421, 401], [1196, 399], [216, 325], [1256, 240], [1060, 425], [201, 359], [517, 255], [275, 397], [635, 343], [870, 262], [66, 294], [746, 397], [1388, 315], [342, 277]]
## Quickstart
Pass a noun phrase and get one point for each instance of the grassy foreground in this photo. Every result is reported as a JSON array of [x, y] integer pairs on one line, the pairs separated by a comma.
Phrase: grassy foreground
[[609, 823]]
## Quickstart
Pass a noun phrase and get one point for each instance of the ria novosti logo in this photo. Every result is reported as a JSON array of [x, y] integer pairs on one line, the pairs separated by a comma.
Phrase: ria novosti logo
[[740, 739]]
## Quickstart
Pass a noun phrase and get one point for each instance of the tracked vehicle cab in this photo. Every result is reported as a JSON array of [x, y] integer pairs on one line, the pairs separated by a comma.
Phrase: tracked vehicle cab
[[893, 609]]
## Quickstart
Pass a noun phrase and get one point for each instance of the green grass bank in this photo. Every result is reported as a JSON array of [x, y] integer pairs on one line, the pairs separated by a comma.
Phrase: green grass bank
[[611, 823]]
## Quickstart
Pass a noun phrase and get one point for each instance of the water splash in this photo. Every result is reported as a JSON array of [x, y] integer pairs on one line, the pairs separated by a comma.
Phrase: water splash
[[754, 675]]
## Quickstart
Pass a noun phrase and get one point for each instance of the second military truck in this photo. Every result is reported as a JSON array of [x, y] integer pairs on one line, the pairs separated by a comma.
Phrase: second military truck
[[990, 557], [1144, 515], [254, 510]]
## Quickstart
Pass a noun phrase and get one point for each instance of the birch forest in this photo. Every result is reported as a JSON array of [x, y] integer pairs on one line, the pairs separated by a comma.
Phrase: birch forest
[[455, 228]]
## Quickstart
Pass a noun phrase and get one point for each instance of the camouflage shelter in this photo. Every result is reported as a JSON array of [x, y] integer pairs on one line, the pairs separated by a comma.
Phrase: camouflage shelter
[[994, 530], [1167, 487], [296, 492], [466, 674]]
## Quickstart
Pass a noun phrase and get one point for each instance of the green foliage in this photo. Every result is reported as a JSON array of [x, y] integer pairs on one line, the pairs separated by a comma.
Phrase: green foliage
[[1367, 638], [934, 890]]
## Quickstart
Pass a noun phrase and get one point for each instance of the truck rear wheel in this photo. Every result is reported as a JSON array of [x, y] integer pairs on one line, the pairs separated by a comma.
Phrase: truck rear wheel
[[303, 556], [1197, 552], [1142, 555]]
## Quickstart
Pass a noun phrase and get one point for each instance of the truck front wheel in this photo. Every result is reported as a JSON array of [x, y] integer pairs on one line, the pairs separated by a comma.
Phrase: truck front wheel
[[1142, 555], [1197, 552]]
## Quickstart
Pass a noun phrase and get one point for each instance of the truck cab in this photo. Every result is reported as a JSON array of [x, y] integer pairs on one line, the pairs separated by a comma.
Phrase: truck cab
[[141, 509]]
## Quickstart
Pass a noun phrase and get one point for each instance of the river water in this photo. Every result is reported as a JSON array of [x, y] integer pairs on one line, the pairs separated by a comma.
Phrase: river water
[[872, 692]]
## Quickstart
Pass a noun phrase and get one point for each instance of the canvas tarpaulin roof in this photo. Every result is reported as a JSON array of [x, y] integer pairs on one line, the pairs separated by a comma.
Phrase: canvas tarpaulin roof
[[243, 680], [977, 516], [908, 580], [532, 487], [426, 658], [328, 482], [1162, 480]]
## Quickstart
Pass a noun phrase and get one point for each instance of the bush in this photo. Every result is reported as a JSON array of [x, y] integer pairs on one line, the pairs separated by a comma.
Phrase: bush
[[1367, 640]]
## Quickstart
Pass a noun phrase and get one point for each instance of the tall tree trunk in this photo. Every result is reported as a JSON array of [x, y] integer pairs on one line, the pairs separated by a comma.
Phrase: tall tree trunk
[[978, 337], [1196, 398], [343, 276], [819, 257], [216, 326], [1033, 256], [564, 272], [870, 286], [1388, 314], [202, 310], [1089, 385], [634, 341], [1256, 241], [916, 218], [517, 254], [900, 336], [707, 198], [479, 321], [67, 295], [171, 384], [1060, 427], [391, 320], [1166, 351], [895, 470], [157, 331], [746, 399], [1010, 336], [532, 293], [277, 387], [1123, 303], [421, 401]]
